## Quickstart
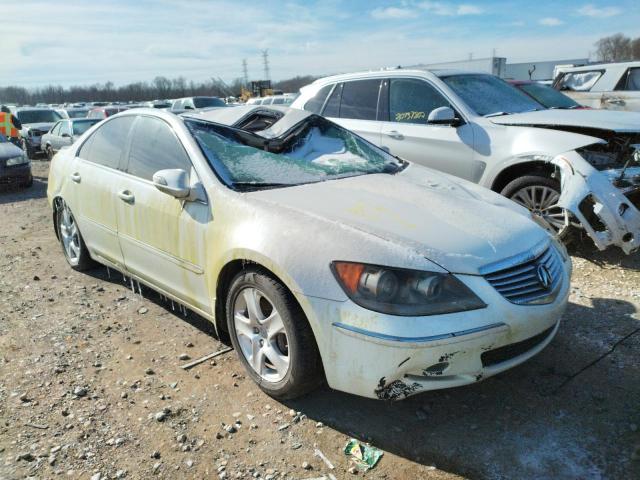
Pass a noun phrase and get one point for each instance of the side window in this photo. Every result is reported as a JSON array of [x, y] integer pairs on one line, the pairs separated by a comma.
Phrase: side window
[[332, 108], [155, 147], [314, 105], [631, 80], [56, 129], [64, 128], [360, 99], [411, 100], [106, 145]]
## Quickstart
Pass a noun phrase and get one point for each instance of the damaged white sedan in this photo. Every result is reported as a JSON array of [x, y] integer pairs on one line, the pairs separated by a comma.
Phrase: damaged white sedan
[[319, 254], [571, 168]]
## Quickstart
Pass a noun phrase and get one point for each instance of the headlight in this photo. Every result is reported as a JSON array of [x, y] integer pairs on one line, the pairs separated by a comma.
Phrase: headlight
[[398, 291], [17, 160]]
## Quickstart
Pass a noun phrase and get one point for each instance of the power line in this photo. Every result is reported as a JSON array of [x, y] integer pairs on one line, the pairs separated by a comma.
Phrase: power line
[[245, 72], [265, 60]]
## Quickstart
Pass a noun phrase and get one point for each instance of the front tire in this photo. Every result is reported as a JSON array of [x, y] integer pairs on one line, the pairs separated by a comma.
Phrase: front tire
[[49, 152], [540, 196], [28, 150], [73, 246], [272, 336]]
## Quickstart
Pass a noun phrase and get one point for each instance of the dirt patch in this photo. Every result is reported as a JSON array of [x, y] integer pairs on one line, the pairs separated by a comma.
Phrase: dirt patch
[[91, 384]]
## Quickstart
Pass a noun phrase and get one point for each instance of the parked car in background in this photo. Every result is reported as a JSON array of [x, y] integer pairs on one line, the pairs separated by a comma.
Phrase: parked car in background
[[15, 167], [164, 104], [104, 112], [73, 112], [35, 123], [546, 95], [612, 86], [64, 133], [571, 168], [429, 282], [194, 103]]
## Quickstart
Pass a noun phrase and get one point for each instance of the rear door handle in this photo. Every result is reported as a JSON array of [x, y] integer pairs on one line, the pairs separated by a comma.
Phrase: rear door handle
[[76, 177], [126, 196], [394, 134]]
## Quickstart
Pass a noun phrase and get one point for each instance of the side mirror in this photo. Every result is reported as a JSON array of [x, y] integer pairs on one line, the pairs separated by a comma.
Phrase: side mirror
[[174, 182], [443, 116], [188, 107], [65, 135]]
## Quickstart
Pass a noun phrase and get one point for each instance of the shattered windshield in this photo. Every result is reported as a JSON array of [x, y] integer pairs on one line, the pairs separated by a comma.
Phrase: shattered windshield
[[314, 150], [489, 95]]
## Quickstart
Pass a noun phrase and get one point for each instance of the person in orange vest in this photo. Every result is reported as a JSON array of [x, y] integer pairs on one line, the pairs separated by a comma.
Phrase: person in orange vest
[[9, 125]]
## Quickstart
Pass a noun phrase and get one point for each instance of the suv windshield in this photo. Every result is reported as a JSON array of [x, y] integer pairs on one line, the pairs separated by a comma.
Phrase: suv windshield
[[489, 95], [203, 102], [547, 96], [314, 150], [38, 116]]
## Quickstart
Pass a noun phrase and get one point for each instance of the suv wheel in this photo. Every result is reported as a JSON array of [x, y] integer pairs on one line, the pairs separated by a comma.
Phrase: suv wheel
[[540, 196], [272, 336]]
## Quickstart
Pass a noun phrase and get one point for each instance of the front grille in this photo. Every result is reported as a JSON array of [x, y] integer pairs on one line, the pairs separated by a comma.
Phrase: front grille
[[513, 350], [520, 283]]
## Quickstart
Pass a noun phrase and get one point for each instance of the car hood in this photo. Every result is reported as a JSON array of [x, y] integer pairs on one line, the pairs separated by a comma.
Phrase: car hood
[[43, 127], [621, 122], [454, 223], [9, 150]]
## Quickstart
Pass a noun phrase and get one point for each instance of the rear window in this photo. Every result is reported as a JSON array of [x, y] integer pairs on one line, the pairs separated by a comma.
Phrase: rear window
[[579, 81], [360, 99], [204, 102], [38, 116], [106, 145]]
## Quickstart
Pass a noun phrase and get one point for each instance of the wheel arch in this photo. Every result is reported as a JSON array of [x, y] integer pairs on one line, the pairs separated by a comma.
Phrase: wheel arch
[[517, 170]]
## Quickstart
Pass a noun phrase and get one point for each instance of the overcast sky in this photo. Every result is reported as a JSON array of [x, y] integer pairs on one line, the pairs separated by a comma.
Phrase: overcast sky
[[74, 42]]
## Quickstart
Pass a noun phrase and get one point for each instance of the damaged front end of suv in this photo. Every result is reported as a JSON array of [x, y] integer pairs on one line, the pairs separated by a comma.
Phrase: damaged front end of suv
[[601, 187]]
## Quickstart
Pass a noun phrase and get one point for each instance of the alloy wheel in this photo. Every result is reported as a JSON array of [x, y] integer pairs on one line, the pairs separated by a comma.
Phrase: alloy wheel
[[542, 201], [70, 235], [261, 334]]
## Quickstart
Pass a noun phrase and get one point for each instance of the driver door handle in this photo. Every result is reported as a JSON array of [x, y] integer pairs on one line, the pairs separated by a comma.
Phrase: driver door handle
[[614, 101], [394, 134], [126, 196], [76, 177]]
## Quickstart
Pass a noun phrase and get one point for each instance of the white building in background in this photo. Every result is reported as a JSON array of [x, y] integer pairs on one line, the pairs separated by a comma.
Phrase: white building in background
[[544, 70]]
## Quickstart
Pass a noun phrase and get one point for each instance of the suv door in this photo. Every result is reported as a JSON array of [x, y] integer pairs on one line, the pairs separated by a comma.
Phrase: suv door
[[162, 238], [354, 105], [407, 133], [627, 92], [96, 173]]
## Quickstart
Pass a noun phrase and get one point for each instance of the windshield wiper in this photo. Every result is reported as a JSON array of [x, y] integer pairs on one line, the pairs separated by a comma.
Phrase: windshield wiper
[[496, 114], [259, 185]]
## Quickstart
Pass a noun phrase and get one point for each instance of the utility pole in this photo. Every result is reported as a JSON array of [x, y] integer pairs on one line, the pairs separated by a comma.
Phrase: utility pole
[[265, 59], [245, 72]]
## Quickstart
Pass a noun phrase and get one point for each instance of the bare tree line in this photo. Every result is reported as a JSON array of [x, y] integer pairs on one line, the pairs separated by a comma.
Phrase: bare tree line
[[159, 88], [617, 48]]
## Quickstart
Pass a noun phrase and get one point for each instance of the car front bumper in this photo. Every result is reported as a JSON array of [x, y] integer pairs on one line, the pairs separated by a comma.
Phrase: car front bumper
[[15, 173], [390, 357], [609, 214]]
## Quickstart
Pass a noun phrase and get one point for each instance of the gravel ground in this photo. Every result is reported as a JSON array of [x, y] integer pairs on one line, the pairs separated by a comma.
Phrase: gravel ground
[[91, 386]]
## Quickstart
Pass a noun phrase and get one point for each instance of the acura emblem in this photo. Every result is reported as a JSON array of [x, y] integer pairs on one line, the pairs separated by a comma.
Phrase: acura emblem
[[544, 277]]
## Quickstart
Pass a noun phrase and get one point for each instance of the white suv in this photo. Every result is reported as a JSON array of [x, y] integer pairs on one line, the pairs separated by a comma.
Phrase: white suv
[[614, 86], [569, 167]]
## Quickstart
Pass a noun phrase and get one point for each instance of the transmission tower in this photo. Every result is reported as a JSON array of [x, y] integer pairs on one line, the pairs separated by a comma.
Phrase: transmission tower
[[245, 72], [265, 59]]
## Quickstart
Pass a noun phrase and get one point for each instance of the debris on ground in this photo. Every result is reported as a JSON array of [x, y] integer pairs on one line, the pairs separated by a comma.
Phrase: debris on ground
[[363, 455]]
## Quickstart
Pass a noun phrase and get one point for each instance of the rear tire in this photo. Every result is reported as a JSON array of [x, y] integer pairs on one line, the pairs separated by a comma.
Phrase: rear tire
[[50, 153], [73, 246], [271, 335], [539, 195], [28, 150]]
